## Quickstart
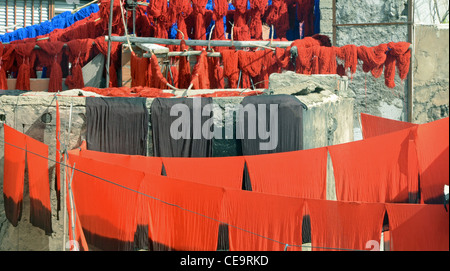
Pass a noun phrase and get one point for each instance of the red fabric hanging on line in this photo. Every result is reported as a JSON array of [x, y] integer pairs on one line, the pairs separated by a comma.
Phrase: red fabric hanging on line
[[147, 164], [375, 169], [13, 173], [418, 227], [179, 10], [250, 63], [155, 76], [186, 215], [200, 72], [230, 67], [241, 30], [373, 58], [218, 171], [375, 126], [75, 229], [102, 47], [398, 55], [184, 68], [25, 62], [268, 66], [258, 7], [105, 206], [349, 54], [305, 15], [263, 222], [6, 60], [278, 17], [337, 225], [220, 10], [301, 174], [38, 181], [158, 11], [432, 142], [53, 53], [198, 9], [215, 73]]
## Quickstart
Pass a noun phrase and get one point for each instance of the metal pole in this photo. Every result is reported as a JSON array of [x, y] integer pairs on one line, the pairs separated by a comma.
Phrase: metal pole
[[108, 57]]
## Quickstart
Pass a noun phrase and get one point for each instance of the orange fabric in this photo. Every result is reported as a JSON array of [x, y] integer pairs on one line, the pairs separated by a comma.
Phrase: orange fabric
[[200, 73], [38, 181], [139, 69], [230, 67], [375, 126], [155, 76], [344, 225], [300, 174], [432, 142], [6, 60], [223, 172], [53, 55], [106, 211], [182, 224], [276, 217], [418, 227], [13, 173], [373, 170], [25, 62], [184, 68]]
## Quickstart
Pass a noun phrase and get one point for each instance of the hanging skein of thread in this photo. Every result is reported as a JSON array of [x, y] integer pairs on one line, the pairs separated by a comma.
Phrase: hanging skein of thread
[[139, 68], [327, 60], [200, 75], [179, 10], [257, 10], [23, 53], [241, 30], [78, 51], [102, 47], [268, 66], [184, 68], [117, 25], [283, 58], [373, 58], [199, 8], [278, 17], [215, 72], [398, 55], [54, 53], [155, 76], [305, 14], [6, 61], [230, 66], [349, 54], [220, 10], [158, 10]]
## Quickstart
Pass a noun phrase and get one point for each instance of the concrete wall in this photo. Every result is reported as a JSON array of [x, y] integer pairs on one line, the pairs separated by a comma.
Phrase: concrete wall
[[431, 73]]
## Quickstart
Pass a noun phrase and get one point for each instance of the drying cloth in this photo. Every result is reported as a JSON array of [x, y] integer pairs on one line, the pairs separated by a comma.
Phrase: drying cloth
[[25, 60], [301, 174], [117, 125], [418, 227], [344, 225], [139, 70], [230, 67], [39, 187], [151, 165], [270, 124], [186, 215], [374, 126], [179, 134], [224, 172], [373, 170], [432, 151], [13, 174], [51, 55], [105, 207], [264, 222], [6, 60]]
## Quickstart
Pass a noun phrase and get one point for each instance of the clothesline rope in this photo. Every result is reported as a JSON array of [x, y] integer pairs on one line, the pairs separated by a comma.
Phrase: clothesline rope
[[177, 206]]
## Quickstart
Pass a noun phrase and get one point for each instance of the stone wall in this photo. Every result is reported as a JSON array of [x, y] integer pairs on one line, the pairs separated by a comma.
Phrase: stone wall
[[431, 73]]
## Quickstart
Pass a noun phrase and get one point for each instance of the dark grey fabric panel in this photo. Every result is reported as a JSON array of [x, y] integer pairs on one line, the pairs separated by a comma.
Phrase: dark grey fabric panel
[[164, 144], [288, 135], [117, 125]]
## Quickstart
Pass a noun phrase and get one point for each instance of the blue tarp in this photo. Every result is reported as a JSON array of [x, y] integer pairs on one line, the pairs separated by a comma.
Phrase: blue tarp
[[60, 21]]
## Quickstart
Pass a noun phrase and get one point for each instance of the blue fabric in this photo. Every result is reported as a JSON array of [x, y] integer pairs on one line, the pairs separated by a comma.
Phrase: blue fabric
[[60, 21], [316, 16]]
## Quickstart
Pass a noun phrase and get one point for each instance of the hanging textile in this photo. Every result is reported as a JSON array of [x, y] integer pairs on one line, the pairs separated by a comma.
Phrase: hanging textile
[[215, 73], [250, 64], [38, 179], [200, 73], [418, 227], [158, 11], [25, 60], [79, 52], [273, 123], [18, 149], [117, 125], [374, 170], [268, 66], [139, 69], [75, 229], [219, 12], [198, 10], [230, 67], [341, 225], [102, 47], [189, 221], [184, 68], [432, 152], [241, 30], [6, 60], [258, 7], [372, 126], [179, 10], [151, 165], [301, 174], [155, 76], [349, 55], [277, 15], [54, 57], [373, 58], [187, 142], [105, 204], [224, 172], [398, 55], [13, 173], [305, 15], [263, 222]]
